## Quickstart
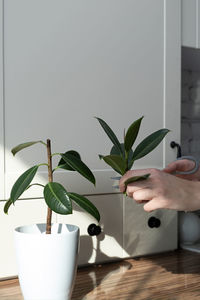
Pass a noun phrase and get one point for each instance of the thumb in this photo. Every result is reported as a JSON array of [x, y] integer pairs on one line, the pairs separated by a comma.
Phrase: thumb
[[179, 165], [171, 168]]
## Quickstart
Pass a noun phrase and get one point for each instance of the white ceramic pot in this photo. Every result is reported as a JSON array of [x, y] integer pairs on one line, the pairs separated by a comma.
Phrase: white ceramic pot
[[47, 263]]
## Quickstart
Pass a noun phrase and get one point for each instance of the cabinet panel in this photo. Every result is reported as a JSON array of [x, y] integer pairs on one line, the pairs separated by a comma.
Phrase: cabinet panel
[[24, 213], [87, 59], [108, 245], [189, 23], [140, 239], [1, 104]]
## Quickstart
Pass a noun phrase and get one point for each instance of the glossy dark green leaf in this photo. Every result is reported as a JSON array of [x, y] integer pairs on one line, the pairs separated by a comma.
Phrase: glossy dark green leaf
[[114, 151], [149, 143], [132, 134], [24, 145], [116, 162], [79, 166], [57, 199], [22, 183], [110, 134], [7, 206], [62, 164], [85, 204], [136, 178]]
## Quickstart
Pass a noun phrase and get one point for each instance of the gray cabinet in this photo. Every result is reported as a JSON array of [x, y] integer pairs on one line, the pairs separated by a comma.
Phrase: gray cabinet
[[191, 23], [64, 62]]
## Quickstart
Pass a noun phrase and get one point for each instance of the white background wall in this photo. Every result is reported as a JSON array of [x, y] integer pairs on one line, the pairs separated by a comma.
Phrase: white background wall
[[65, 62]]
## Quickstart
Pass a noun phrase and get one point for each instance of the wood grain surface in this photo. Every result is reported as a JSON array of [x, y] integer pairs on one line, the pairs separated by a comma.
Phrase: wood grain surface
[[172, 276]]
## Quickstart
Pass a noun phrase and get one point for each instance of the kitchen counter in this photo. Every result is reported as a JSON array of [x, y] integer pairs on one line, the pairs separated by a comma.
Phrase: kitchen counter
[[173, 276]]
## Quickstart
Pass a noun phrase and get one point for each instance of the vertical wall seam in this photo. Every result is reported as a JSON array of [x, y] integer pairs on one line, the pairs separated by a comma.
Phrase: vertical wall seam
[[164, 78], [2, 100], [3, 71]]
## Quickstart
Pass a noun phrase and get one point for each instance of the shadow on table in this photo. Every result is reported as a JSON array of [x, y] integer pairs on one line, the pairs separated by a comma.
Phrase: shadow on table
[[89, 278], [180, 262]]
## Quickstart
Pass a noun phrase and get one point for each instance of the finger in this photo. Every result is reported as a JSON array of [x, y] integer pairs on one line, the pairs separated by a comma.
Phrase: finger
[[142, 201], [131, 174], [152, 205], [138, 187], [143, 195], [171, 168]]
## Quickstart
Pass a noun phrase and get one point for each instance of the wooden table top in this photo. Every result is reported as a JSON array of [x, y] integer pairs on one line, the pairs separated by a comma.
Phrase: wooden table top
[[172, 276]]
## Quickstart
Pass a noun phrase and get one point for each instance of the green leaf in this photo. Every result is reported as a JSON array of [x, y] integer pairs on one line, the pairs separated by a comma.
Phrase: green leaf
[[131, 134], [22, 183], [85, 204], [79, 166], [24, 145], [116, 162], [114, 151], [110, 134], [62, 164], [7, 206], [57, 199], [149, 143], [136, 178]]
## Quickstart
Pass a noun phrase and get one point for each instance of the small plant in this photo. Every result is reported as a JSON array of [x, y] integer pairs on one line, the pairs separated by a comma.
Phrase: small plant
[[57, 198], [122, 156]]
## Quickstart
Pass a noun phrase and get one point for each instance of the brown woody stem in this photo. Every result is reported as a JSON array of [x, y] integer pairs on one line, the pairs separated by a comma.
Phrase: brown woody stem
[[50, 178]]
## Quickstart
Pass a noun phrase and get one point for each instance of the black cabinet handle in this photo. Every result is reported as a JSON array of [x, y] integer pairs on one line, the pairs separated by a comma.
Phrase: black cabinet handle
[[94, 229], [154, 222], [176, 145]]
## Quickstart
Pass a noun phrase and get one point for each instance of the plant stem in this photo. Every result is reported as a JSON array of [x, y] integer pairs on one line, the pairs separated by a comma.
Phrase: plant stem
[[50, 178], [126, 160], [53, 154]]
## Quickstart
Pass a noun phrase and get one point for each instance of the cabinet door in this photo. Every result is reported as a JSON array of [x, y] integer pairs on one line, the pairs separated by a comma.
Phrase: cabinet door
[[68, 61], [191, 23], [87, 59]]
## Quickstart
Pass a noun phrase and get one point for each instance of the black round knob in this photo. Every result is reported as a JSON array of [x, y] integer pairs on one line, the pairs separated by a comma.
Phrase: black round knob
[[154, 222], [94, 229]]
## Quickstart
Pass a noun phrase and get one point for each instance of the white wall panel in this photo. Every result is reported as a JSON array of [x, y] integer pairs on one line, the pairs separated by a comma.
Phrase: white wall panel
[[172, 77], [66, 62], [1, 102], [190, 23]]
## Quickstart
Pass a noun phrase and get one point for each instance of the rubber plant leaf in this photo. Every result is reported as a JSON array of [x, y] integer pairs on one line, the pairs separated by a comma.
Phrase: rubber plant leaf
[[7, 206], [114, 151], [79, 166], [62, 164], [22, 183], [85, 204], [136, 178], [24, 145], [110, 134], [116, 162], [132, 134], [149, 143], [57, 199]]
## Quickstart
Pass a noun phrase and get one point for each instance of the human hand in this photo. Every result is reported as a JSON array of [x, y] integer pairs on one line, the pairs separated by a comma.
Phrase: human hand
[[182, 166], [162, 190]]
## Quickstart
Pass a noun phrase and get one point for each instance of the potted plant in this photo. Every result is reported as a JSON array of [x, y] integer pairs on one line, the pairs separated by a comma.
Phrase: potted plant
[[122, 156], [47, 253]]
